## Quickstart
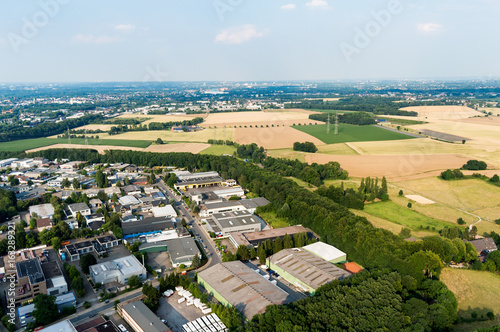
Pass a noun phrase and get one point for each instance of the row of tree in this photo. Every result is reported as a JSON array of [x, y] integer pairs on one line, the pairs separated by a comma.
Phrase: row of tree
[[354, 118], [114, 130]]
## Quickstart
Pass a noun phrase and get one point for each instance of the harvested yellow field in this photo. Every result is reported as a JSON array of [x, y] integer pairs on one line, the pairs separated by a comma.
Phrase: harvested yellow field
[[170, 136], [273, 138], [394, 167], [493, 110], [178, 147], [98, 148], [339, 148], [443, 112], [257, 118], [485, 120], [288, 154], [160, 118]]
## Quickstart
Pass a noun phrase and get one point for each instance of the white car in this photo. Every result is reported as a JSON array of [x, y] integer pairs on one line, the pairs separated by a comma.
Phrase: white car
[[122, 328], [168, 293]]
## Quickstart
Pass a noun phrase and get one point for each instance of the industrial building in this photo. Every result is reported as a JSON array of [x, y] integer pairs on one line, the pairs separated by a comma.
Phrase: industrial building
[[210, 322], [141, 318], [197, 180], [146, 226], [250, 205], [304, 269], [255, 238], [118, 270], [235, 284], [182, 251], [327, 252], [223, 224], [42, 210]]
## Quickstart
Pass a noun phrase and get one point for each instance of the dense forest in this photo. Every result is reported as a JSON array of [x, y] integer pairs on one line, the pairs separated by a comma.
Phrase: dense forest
[[413, 297], [354, 118], [375, 105], [47, 128]]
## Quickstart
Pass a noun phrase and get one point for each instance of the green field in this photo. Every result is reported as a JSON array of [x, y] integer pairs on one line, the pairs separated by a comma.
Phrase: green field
[[219, 150], [27, 144], [403, 216], [351, 133], [475, 291]]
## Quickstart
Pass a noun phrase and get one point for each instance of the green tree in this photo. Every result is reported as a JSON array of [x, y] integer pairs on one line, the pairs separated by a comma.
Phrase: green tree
[[45, 309], [159, 141], [261, 253], [76, 184], [86, 261], [287, 242], [460, 221], [118, 184], [56, 243], [405, 232], [495, 178], [32, 223], [242, 253], [409, 205], [127, 181], [277, 245], [196, 262], [65, 183], [400, 194], [253, 254], [134, 281]]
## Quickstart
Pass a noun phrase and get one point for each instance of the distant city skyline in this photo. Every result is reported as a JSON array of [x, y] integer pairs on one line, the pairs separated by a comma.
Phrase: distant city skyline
[[238, 40]]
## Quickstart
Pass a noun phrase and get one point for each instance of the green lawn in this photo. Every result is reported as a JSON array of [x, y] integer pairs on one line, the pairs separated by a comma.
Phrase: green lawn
[[219, 150], [272, 219], [403, 216], [27, 144], [351, 133], [301, 183]]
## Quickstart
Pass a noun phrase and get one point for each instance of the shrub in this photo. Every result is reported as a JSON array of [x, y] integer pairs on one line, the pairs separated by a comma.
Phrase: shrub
[[86, 305]]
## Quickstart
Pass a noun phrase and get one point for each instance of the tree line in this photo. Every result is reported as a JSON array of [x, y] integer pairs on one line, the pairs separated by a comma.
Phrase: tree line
[[115, 130], [354, 118]]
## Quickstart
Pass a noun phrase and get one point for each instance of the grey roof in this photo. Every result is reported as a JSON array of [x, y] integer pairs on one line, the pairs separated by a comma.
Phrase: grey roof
[[147, 225], [219, 205], [487, 244], [42, 209], [78, 207], [236, 218], [31, 269], [182, 249], [307, 267], [253, 203], [242, 287], [144, 317], [106, 239]]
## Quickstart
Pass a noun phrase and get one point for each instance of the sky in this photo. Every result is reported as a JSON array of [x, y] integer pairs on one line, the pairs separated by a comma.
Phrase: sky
[[247, 40]]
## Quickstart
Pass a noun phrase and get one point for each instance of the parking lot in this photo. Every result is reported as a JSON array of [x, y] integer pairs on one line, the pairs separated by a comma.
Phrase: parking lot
[[177, 314]]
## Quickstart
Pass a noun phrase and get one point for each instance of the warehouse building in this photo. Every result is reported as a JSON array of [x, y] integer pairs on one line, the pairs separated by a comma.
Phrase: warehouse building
[[198, 180], [141, 318], [304, 269], [223, 224], [118, 270], [255, 238], [235, 284], [182, 251], [146, 226], [327, 252]]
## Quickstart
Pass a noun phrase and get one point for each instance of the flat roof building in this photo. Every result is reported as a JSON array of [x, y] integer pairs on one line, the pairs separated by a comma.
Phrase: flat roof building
[[118, 270], [255, 238], [182, 251], [304, 269], [164, 211], [327, 252], [235, 284], [81, 208], [42, 210], [30, 281], [141, 318], [226, 223], [146, 226]]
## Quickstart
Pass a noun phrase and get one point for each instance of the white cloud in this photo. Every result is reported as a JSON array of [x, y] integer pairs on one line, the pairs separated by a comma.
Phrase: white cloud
[[125, 27], [317, 4], [239, 34], [290, 6], [90, 39], [428, 27], [83, 39]]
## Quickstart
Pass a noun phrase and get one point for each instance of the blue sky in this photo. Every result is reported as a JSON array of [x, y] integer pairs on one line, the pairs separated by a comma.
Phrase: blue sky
[[111, 40]]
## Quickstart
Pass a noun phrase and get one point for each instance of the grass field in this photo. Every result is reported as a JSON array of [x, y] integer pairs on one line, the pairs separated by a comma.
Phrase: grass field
[[28, 144], [273, 220], [287, 153], [398, 214], [218, 150], [301, 183], [474, 290], [351, 133]]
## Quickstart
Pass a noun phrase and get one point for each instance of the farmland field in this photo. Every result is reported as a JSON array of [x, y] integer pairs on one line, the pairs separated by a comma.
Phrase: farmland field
[[178, 147], [394, 167], [160, 118], [404, 216], [257, 118], [447, 112], [474, 290], [273, 138], [218, 150], [28, 144], [351, 133], [167, 135]]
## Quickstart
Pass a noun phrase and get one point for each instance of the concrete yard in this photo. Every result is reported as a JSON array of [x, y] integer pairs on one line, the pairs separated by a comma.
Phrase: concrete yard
[[177, 314]]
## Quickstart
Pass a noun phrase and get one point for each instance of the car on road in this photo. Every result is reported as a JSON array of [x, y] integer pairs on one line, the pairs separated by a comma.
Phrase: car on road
[[168, 293], [122, 328], [164, 321], [107, 301]]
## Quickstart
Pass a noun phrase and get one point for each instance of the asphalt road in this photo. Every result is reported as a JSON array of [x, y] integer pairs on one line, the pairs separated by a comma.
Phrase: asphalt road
[[210, 252]]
